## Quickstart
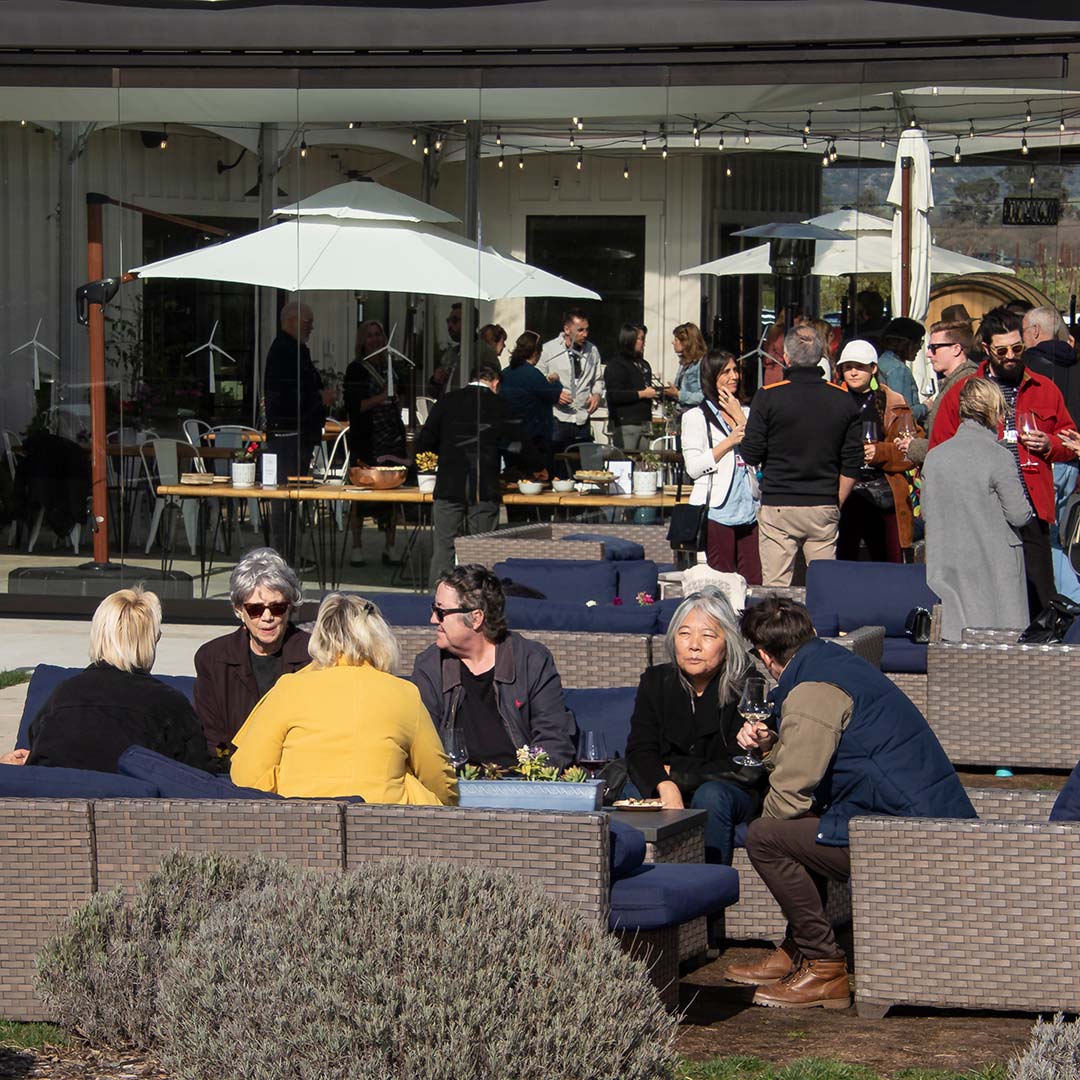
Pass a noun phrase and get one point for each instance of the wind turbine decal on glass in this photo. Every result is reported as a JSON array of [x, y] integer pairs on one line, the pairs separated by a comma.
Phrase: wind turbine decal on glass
[[211, 348], [391, 352], [34, 344]]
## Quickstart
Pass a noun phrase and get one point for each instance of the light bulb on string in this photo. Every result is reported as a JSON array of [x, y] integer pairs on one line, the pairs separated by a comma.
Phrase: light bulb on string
[[663, 149], [580, 162], [914, 121], [805, 142], [882, 138], [352, 124], [808, 126], [1027, 114], [644, 142], [697, 130], [414, 139], [1024, 143], [933, 167], [303, 148], [521, 160], [164, 144], [833, 153], [1061, 124], [933, 91], [427, 149], [626, 170], [956, 153], [23, 123], [438, 144], [727, 172], [720, 145], [573, 141], [498, 137], [502, 159], [825, 158], [1031, 178], [971, 129], [746, 136]]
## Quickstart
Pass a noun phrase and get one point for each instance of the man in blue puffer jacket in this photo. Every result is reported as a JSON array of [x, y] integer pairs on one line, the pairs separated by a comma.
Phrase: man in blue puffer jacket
[[850, 742]]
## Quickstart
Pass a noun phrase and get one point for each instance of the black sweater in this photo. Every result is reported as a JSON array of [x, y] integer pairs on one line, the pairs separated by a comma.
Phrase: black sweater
[[624, 376], [93, 717], [293, 388], [804, 433]]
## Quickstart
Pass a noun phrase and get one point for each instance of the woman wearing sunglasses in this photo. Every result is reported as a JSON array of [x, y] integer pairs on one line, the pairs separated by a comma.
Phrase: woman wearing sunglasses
[[233, 672]]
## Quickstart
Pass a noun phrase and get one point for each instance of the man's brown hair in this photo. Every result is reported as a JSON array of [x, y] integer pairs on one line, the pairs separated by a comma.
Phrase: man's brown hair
[[779, 626], [958, 332]]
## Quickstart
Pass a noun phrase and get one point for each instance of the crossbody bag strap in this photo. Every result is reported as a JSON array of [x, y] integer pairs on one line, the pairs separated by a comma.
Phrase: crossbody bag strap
[[708, 434]]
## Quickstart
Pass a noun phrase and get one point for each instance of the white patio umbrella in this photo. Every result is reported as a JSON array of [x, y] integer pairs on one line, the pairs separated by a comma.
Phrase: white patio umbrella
[[363, 238]]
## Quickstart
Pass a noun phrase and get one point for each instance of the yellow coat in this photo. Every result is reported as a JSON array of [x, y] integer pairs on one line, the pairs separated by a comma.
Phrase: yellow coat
[[329, 732]]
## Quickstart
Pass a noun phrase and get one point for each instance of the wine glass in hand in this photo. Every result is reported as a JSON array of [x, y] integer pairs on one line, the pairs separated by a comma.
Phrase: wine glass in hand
[[456, 749], [754, 709], [593, 752]]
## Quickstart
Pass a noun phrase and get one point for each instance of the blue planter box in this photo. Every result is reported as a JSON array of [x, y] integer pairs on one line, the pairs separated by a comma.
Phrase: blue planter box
[[531, 794]]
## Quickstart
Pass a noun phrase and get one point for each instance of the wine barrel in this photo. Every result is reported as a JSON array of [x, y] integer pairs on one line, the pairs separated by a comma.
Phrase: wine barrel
[[980, 293]]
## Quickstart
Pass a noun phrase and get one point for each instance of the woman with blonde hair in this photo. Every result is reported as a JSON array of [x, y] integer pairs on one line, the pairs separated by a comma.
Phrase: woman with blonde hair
[[344, 725], [93, 717], [974, 502], [689, 345]]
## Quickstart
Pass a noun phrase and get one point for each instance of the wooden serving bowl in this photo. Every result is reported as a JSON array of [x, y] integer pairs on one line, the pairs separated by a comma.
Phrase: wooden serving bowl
[[379, 479]]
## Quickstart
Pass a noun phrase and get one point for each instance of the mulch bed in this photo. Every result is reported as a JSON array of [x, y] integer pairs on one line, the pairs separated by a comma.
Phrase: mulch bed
[[75, 1063]]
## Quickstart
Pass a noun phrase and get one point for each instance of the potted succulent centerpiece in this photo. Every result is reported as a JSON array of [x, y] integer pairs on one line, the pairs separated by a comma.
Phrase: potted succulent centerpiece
[[537, 785], [243, 466], [647, 476], [426, 465]]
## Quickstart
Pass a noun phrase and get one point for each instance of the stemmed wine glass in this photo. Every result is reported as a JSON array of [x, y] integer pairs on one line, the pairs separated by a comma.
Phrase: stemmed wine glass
[[1026, 423], [456, 749], [754, 708], [593, 752], [869, 436]]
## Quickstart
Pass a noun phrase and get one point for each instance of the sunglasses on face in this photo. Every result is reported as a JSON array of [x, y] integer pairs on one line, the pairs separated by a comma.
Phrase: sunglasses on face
[[440, 613], [933, 347], [1001, 351], [277, 609]]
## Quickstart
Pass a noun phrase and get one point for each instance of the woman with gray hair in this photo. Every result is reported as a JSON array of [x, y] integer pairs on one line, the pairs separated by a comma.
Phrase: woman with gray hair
[[345, 725], [233, 672], [682, 733]]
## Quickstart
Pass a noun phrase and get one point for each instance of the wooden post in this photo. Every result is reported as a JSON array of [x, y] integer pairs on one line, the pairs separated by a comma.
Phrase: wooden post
[[95, 264], [907, 166]]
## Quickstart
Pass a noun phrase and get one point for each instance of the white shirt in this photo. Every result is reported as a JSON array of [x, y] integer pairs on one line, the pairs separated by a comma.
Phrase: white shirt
[[556, 358]]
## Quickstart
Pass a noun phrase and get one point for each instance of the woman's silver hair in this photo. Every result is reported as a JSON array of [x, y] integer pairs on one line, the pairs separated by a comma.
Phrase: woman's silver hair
[[264, 568], [714, 605]]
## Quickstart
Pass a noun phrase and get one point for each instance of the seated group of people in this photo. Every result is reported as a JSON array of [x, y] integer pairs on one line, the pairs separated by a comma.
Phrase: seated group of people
[[322, 715]]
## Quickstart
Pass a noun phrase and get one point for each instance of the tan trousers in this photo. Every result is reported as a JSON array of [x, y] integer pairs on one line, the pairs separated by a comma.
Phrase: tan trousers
[[782, 530]]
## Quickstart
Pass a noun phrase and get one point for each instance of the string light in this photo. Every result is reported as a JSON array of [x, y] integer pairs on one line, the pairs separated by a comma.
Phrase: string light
[[352, 124], [933, 91], [971, 129], [746, 136], [807, 127], [438, 144], [720, 145], [956, 152], [805, 142], [833, 154], [22, 123], [414, 139], [1031, 178], [303, 148], [825, 158], [1027, 114], [521, 160], [573, 141], [502, 159], [580, 161], [1061, 124], [697, 132], [933, 167], [727, 172], [914, 121], [164, 144], [578, 123], [663, 149], [882, 138], [1024, 143], [644, 142], [626, 170], [498, 137], [427, 148]]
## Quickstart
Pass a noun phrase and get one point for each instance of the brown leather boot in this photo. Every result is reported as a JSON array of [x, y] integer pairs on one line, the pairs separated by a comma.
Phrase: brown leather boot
[[762, 972], [814, 982]]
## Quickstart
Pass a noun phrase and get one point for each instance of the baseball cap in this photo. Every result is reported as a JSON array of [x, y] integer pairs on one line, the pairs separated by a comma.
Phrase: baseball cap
[[858, 352]]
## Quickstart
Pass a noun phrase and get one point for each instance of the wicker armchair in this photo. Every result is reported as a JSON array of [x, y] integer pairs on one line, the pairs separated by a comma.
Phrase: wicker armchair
[[545, 542], [968, 914]]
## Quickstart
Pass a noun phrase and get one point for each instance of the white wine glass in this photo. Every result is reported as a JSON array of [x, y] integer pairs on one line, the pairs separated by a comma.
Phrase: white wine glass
[[456, 749], [754, 709]]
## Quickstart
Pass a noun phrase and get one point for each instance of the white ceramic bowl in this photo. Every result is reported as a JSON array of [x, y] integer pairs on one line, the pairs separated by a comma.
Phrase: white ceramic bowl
[[530, 487], [563, 485]]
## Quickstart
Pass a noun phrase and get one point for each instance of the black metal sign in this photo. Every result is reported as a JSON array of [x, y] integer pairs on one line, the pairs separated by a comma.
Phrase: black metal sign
[[1030, 211]]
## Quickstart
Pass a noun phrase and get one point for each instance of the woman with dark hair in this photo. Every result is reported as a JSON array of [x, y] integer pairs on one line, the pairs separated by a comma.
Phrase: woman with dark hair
[[531, 397], [495, 336], [898, 346], [711, 435], [878, 510], [630, 392]]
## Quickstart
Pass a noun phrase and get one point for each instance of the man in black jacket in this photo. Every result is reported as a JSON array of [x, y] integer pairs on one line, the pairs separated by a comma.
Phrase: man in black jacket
[[805, 435], [468, 428]]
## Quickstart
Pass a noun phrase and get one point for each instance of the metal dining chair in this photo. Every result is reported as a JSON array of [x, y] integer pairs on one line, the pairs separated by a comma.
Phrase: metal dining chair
[[164, 469]]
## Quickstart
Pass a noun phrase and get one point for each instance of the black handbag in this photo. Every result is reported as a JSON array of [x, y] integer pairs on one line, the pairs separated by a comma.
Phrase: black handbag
[[688, 526], [917, 625], [876, 491], [1052, 623]]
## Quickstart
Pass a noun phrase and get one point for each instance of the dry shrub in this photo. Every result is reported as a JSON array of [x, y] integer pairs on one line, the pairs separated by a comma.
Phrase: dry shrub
[[100, 974], [410, 971], [1052, 1054]]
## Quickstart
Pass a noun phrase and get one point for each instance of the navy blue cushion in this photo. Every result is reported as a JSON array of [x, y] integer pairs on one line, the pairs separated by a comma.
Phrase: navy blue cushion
[[563, 580], [868, 593], [665, 609], [43, 782], [528, 615], [627, 849], [607, 711], [826, 623], [637, 577], [1067, 804], [174, 780], [669, 894], [47, 677], [403, 609], [615, 547], [899, 654], [1072, 635]]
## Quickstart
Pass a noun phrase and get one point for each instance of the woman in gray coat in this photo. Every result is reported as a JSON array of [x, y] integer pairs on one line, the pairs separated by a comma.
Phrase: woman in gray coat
[[974, 501]]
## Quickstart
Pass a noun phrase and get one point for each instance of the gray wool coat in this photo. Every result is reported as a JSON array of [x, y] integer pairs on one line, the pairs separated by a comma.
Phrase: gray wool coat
[[973, 502]]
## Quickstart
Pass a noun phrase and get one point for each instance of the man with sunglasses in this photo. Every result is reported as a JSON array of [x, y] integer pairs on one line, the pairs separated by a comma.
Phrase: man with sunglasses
[[1035, 415], [496, 690]]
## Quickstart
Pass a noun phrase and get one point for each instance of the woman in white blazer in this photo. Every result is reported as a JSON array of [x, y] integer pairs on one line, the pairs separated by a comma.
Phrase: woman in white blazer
[[711, 434]]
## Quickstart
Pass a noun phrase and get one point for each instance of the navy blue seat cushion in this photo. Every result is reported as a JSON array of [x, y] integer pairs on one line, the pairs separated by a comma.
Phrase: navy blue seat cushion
[[174, 780], [669, 894], [637, 577], [1067, 804], [868, 593], [43, 782], [403, 609], [564, 580], [627, 849], [899, 654], [1072, 635], [615, 547], [47, 677], [826, 623], [526, 615], [607, 711], [665, 609]]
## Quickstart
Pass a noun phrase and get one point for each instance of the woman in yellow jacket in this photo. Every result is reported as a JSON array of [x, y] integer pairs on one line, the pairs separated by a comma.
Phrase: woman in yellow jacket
[[344, 725]]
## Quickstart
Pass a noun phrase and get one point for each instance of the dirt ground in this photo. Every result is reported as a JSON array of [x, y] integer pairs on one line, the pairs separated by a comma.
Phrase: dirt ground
[[720, 1020]]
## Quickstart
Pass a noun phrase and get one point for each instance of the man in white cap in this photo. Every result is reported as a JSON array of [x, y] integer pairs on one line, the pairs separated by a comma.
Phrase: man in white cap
[[804, 433]]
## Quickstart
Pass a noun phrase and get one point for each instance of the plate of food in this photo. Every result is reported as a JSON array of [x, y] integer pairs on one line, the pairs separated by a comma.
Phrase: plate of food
[[638, 804], [594, 476]]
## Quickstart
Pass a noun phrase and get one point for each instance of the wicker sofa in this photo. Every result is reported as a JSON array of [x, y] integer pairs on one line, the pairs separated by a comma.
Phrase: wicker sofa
[[545, 542], [968, 914]]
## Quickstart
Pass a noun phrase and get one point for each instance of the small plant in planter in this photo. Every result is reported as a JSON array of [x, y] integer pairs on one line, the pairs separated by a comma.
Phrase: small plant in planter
[[646, 477], [243, 465], [648, 461], [426, 464], [539, 785]]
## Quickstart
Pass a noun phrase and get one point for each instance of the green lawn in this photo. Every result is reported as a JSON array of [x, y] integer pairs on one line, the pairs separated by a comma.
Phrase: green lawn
[[747, 1068], [30, 1036], [13, 678]]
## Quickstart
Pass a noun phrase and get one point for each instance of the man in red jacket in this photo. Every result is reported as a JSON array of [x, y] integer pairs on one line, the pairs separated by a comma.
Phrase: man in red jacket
[[1035, 415]]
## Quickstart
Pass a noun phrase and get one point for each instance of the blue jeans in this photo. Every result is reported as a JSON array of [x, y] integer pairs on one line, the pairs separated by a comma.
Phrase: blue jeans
[[728, 805]]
